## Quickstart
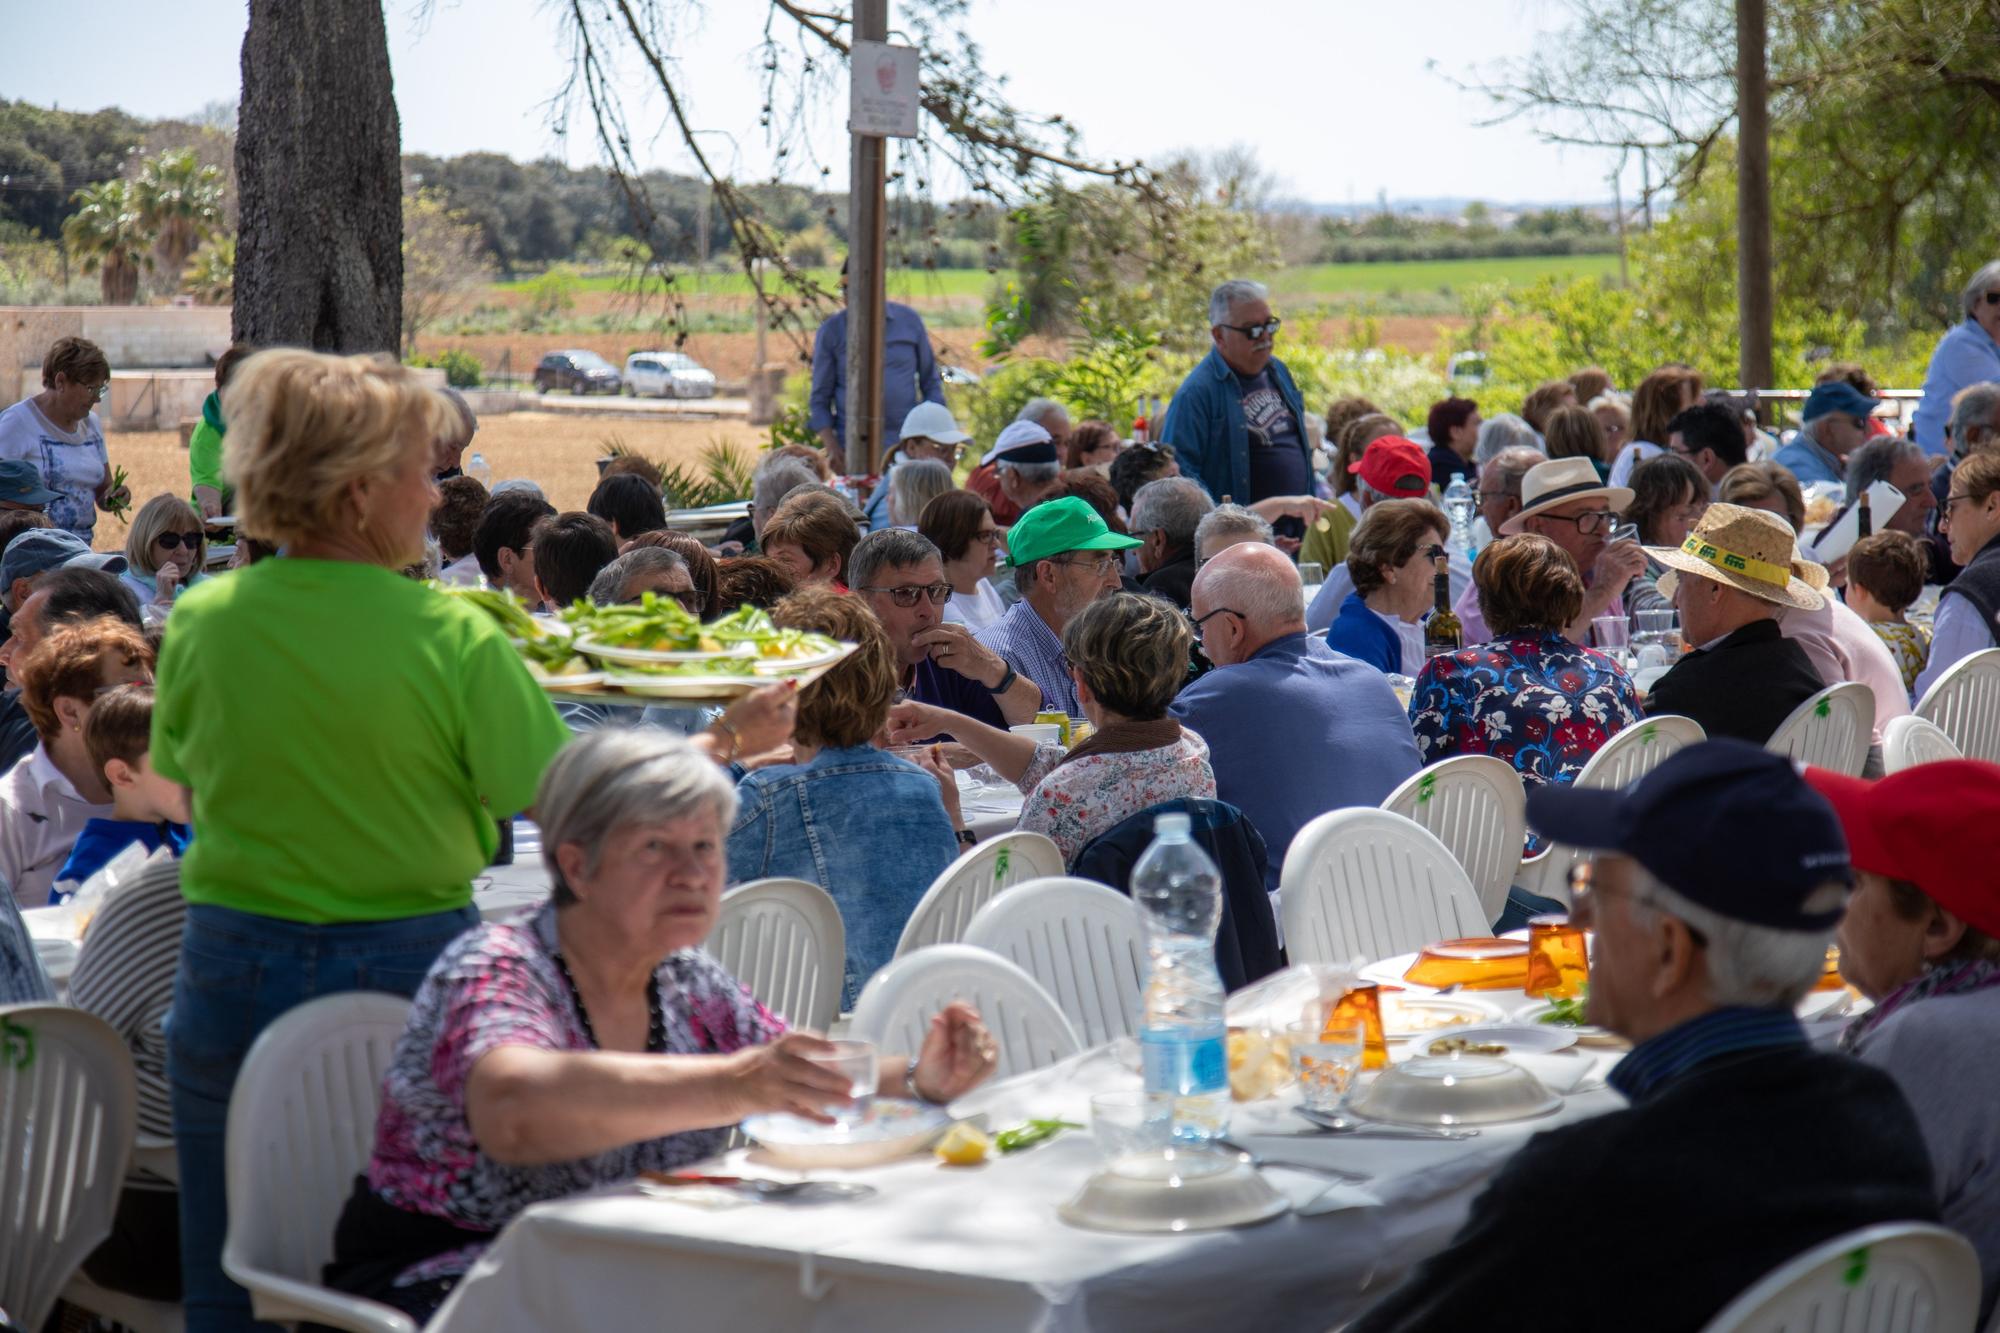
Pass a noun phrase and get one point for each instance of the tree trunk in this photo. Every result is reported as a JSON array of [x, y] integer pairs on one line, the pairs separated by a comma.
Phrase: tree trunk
[[319, 241]]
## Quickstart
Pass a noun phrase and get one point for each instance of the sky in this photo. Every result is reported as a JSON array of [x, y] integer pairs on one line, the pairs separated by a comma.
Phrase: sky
[[1338, 97]]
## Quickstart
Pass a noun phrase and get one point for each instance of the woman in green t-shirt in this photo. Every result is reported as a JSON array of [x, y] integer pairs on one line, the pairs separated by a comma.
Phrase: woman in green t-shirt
[[349, 737]]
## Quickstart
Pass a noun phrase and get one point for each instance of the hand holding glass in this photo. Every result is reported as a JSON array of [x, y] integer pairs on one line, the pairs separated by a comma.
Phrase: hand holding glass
[[858, 1062]]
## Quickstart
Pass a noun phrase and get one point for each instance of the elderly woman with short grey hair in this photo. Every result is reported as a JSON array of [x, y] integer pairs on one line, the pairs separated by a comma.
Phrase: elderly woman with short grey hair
[[914, 483], [588, 1040], [1969, 353], [645, 569], [1502, 432], [1223, 527]]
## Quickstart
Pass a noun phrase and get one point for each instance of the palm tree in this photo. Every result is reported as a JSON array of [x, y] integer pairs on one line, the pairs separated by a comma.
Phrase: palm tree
[[211, 277], [106, 234], [180, 201]]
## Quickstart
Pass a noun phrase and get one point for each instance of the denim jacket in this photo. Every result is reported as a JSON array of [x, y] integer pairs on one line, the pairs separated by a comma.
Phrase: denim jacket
[[867, 827], [1205, 426]]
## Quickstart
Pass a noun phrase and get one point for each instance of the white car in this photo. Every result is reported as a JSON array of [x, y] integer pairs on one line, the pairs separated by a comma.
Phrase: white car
[[668, 375]]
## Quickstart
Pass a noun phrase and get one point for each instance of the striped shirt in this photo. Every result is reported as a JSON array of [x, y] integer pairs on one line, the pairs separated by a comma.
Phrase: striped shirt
[[125, 976], [1664, 1057], [1027, 643]]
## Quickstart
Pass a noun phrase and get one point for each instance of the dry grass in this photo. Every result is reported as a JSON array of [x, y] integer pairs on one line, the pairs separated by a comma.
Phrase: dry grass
[[560, 452]]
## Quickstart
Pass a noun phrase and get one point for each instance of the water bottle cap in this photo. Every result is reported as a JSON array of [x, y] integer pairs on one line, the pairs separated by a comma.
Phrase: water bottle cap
[[1171, 826]]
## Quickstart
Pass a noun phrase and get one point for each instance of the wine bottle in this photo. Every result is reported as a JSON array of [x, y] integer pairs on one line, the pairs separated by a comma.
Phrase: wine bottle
[[1442, 632], [1862, 512]]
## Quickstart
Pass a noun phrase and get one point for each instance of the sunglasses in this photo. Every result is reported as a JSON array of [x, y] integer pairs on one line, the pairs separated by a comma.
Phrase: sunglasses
[[173, 541], [1257, 332], [1993, 298], [908, 593]]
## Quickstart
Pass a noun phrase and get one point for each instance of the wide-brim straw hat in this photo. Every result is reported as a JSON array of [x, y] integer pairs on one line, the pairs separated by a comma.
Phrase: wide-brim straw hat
[[1749, 550], [1559, 481]]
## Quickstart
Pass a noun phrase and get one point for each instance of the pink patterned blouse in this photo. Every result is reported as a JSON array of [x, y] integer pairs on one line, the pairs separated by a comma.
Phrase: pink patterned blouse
[[1076, 802]]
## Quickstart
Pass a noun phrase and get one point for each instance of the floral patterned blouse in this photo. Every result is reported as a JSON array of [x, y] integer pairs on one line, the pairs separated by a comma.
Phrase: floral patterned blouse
[[1909, 644], [497, 985], [1537, 700], [1076, 802]]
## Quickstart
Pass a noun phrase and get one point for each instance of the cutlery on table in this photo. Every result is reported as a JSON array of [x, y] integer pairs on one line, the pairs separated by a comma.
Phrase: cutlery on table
[[1333, 1124], [761, 1187]]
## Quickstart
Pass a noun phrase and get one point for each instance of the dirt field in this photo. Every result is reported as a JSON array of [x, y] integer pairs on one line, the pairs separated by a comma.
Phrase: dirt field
[[557, 451]]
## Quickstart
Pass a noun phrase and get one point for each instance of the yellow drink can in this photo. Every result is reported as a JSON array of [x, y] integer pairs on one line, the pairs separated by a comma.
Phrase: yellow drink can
[[1061, 720]]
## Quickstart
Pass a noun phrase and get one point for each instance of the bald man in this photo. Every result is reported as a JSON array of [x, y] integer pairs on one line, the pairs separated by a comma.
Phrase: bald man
[[1294, 729]]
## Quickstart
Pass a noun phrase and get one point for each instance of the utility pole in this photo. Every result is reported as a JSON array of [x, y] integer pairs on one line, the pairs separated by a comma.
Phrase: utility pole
[[1618, 214], [1753, 201], [865, 270]]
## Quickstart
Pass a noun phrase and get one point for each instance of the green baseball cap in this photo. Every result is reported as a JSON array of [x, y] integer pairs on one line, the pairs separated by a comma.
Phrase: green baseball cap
[[1055, 526]]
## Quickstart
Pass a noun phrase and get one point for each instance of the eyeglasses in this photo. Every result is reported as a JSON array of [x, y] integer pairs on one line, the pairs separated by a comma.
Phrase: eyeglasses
[[1096, 564], [1993, 298], [173, 541], [1199, 621], [1434, 552], [1598, 520], [1583, 896], [908, 593], [1257, 332], [991, 536], [692, 601], [1488, 497]]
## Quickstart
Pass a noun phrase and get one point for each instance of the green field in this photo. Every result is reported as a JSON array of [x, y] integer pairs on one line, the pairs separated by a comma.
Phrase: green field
[[903, 283]]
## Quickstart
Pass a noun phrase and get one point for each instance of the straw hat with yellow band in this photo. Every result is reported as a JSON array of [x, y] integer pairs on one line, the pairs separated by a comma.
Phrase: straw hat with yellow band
[[1749, 550]]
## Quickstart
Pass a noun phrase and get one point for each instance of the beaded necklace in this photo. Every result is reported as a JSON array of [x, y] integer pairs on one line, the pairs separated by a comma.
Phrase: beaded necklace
[[656, 1019]]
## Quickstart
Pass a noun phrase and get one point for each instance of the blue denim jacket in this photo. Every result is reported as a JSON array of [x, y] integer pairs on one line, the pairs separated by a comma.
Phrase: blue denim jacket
[[867, 827], [1205, 426]]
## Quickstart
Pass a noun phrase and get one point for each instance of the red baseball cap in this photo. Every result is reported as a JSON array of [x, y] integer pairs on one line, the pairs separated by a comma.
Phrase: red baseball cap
[[1397, 467], [1936, 826]]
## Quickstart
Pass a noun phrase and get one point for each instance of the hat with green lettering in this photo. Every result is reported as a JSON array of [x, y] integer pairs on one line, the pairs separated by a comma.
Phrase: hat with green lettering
[[1056, 526], [1748, 549]]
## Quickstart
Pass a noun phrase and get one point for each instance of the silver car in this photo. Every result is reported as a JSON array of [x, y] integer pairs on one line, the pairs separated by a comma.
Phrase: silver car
[[667, 375]]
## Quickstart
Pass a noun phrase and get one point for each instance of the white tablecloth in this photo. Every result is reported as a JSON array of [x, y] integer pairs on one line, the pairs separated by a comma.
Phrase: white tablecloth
[[990, 810], [982, 1248]]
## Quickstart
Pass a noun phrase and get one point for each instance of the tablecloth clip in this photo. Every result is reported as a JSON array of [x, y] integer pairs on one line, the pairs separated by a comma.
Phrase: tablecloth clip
[[811, 1285]]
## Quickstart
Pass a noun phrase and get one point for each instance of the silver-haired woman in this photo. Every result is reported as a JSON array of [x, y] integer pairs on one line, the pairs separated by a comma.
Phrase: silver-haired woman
[[591, 1039], [1969, 353]]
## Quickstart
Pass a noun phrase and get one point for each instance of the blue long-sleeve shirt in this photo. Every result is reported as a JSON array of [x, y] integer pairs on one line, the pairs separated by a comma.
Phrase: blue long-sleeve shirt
[[1965, 355], [909, 372]]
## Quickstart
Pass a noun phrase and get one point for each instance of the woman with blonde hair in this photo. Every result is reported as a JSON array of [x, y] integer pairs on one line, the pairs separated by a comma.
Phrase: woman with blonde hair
[[166, 551]]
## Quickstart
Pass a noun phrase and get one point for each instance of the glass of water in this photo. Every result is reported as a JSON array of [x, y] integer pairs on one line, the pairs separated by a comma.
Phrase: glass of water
[[860, 1064], [1326, 1059], [1131, 1124]]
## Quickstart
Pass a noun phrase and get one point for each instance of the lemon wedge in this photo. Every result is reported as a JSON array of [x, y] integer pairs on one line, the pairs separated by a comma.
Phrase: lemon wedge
[[964, 1144]]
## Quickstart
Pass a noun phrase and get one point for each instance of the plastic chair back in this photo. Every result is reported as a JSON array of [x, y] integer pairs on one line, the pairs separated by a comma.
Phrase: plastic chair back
[[1372, 883], [898, 1003], [1081, 940], [1911, 740], [1620, 762], [1965, 703], [1475, 806], [67, 1108], [1831, 730], [972, 881], [301, 1127], [1901, 1277], [784, 940]]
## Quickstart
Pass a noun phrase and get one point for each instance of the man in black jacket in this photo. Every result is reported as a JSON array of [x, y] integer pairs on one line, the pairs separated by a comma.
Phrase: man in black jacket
[[1720, 879], [1730, 580]]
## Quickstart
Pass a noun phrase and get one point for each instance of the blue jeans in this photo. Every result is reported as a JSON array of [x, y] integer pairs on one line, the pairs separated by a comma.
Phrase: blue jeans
[[238, 974]]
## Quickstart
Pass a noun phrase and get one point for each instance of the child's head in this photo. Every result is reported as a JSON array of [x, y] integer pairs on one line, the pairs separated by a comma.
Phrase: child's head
[[1889, 567], [119, 736]]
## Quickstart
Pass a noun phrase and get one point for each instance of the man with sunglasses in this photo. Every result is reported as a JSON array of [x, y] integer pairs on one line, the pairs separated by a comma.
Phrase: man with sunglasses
[[1064, 558], [1564, 501], [1969, 353], [1236, 420], [57, 430], [1717, 885], [900, 575], [1833, 424]]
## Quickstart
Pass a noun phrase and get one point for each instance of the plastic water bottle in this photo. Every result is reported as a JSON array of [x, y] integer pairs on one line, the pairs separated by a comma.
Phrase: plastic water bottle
[[1458, 508], [1183, 1038], [480, 470]]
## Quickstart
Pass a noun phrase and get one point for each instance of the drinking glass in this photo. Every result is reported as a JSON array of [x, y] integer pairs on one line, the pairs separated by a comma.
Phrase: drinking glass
[[1610, 634], [1326, 1057], [858, 1063], [1131, 1124], [1558, 958], [1361, 1006], [1311, 574]]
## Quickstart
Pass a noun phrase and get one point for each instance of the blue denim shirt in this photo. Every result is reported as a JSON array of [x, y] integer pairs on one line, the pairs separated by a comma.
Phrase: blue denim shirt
[[1205, 426], [909, 372], [867, 827], [22, 980]]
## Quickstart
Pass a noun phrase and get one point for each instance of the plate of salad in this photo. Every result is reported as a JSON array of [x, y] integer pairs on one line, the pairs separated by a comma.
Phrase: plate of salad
[[1569, 1013]]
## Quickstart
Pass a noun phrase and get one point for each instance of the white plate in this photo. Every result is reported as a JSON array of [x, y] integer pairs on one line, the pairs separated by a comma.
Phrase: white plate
[[1587, 1034], [605, 652], [573, 680], [1825, 1004], [1160, 1193], [1518, 1038], [1402, 1015], [780, 666], [894, 1128], [680, 687]]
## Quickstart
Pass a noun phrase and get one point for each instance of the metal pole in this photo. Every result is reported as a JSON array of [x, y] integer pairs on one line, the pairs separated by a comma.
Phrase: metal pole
[[1618, 213], [1753, 200], [864, 273]]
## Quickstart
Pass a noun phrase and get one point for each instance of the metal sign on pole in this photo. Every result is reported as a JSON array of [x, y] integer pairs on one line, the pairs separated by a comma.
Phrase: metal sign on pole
[[883, 101]]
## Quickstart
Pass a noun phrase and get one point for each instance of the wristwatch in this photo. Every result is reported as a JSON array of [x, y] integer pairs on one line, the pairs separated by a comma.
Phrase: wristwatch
[[966, 837], [1006, 681]]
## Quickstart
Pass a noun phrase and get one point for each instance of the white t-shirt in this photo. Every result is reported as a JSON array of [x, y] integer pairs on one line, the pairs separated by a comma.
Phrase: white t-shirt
[[1633, 454], [40, 816], [72, 463], [977, 609], [462, 572]]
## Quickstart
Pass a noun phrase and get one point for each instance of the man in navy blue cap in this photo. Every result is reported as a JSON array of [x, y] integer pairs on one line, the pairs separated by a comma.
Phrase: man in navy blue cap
[[1834, 425], [1716, 887]]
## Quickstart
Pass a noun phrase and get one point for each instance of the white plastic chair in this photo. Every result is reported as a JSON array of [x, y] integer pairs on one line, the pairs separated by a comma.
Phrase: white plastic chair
[[1831, 730], [301, 1126], [1911, 740], [1372, 883], [898, 1003], [970, 882], [1475, 806], [1901, 1277], [783, 938], [67, 1107], [1619, 762], [1965, 703], [1081, 941]]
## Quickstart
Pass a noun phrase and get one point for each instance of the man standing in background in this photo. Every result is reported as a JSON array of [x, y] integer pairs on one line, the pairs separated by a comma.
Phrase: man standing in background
[[909, 376]]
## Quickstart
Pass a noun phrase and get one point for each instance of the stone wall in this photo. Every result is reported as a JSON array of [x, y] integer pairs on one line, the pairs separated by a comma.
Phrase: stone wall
[[133, 337]]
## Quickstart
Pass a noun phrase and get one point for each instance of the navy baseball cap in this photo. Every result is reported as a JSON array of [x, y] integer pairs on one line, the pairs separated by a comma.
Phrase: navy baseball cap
[[1837, 396], [21, 484], [1725, 824]]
